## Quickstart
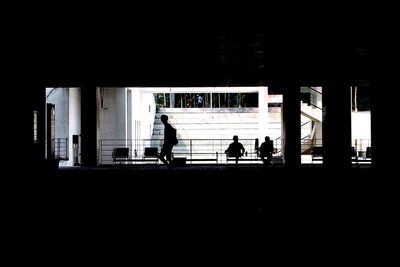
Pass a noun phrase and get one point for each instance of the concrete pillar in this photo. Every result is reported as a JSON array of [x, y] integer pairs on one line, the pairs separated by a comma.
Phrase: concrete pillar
[[336, 124], [262, 113], [171, 100], [382, 134], [136, 115], [89, 125], [291, 126], [74, 120], [129, 113]]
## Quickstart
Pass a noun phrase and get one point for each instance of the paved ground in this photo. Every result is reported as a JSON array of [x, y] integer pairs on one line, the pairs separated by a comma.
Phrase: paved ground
[[208, 206], [218, 190]]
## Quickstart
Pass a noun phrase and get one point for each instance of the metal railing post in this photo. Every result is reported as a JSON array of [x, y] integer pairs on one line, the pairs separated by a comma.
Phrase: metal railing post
[[190, 149]]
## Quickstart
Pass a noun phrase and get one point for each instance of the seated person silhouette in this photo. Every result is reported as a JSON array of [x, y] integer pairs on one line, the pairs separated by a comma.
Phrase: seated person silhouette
[[266, 150], [235, 149]]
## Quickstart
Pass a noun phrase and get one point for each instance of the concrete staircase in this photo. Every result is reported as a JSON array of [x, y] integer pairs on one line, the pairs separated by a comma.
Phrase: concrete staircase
[[314, 114], [196, 124], [205, 123], [311, 112], [220, 125]]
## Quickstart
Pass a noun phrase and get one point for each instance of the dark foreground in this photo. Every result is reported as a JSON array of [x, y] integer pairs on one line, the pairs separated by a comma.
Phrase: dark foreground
[[204, 203]]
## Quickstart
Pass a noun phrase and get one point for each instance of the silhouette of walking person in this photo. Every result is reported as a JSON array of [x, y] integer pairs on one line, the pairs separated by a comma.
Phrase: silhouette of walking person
[[266, 150], [235, 149], [169, 141]]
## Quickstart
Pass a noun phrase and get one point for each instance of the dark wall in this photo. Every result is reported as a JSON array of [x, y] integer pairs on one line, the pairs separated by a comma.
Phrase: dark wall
[[200, 55], [197, 56]]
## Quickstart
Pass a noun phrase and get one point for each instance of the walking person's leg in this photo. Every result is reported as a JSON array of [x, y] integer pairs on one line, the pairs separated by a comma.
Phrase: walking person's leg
[[162, 155], [269, 159], [264, 160], [169, 155]]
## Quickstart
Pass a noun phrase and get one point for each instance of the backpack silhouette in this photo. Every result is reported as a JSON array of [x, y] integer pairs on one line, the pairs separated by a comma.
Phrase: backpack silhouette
[[175, 140]]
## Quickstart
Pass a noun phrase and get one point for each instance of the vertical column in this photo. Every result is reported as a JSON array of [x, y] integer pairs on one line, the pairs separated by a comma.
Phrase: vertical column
[[171, 100], [291, 126], [262, 112], [129, 115], [383, 137], [136, 114], [74, 122], [337, 124], [89, 126]]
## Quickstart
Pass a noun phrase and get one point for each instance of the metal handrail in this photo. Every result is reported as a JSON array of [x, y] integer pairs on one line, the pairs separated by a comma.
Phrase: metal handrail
[[314, 90], [311, 104], [195, 149]]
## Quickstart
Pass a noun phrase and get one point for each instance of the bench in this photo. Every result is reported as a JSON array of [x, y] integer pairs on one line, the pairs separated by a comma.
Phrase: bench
[[366, 158], [197, 157], [317, 153], [250, 160], [210, 159], [121, 154], [150, 155]]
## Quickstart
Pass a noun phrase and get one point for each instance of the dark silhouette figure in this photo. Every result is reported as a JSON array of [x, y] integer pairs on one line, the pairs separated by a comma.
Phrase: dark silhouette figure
[[235, 149], [256, 147], [169, 141], [266, 150], [199, 101]]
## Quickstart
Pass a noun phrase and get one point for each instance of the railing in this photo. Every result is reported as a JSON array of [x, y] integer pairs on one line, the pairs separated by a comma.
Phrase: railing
[[312, 152], [212, 151], [315, 98], [196, 151], [61, 148], [361, 151], [304, 126]]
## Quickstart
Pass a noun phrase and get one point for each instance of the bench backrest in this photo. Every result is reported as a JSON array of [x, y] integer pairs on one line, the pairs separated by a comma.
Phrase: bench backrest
[[150, 152], [121, 152], [317, 151]]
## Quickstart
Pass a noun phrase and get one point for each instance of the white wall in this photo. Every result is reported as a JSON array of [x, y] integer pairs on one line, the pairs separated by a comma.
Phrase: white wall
[[307, 127], [143, 113], [148, 114], [112, 113], [263, 113], [274, 123], [361, 129]]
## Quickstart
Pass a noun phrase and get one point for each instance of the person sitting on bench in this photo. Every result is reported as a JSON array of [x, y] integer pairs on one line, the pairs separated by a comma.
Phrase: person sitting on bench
[[266, 150], [235, 149]]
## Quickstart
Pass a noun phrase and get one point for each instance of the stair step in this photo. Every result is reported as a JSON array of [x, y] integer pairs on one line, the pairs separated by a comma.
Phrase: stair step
[[204, 123]]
